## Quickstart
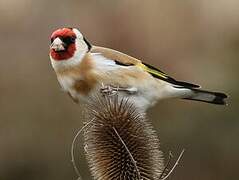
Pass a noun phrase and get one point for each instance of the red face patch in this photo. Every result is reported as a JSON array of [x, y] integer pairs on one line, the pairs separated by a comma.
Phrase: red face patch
[[68, 37], [64, 32]]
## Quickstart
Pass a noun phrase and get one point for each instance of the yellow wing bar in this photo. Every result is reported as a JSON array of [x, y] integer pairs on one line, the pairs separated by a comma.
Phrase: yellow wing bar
[[154, 72], [161, 75]]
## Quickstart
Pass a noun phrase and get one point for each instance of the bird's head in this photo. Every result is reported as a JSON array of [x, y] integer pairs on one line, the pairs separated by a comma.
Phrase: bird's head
[[68, 44]]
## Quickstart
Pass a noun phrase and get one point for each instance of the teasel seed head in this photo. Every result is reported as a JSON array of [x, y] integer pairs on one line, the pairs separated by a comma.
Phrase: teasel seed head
[[120, 143]]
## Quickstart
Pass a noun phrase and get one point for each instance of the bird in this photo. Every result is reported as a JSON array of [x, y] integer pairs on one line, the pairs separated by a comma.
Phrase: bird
[[83, 69]]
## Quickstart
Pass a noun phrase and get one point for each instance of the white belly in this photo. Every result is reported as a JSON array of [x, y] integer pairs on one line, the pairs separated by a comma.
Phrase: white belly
[[67, 84]]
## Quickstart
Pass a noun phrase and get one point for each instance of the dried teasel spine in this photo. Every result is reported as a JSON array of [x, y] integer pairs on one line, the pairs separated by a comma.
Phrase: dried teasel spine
[[120, 143]]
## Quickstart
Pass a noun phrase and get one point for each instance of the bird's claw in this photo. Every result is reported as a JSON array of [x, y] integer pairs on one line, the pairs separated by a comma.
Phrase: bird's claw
[[108, 90], [112, 90]]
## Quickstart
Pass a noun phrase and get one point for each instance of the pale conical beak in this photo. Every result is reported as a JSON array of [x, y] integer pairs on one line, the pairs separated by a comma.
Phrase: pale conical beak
[[58, 45]]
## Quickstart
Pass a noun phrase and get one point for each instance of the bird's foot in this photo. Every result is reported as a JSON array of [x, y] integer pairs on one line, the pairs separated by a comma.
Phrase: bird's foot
[[108, 90], [112, 90]]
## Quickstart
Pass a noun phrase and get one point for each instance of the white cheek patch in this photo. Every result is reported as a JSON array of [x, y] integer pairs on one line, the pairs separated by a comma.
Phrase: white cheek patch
[[78, 33]]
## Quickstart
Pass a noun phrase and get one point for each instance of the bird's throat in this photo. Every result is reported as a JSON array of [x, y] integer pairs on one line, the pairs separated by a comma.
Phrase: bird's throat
[[63, 55]]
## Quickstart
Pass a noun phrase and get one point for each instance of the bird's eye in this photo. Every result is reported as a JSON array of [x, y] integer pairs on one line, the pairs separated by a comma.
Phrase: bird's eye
[[52, 39], [69, 40]]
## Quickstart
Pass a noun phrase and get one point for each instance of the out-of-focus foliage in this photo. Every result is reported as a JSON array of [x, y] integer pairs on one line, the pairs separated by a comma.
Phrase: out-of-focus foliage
[[195, 41]]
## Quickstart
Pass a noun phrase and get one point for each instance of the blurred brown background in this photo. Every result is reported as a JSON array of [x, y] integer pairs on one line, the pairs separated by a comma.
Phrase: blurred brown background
[[195, 41]]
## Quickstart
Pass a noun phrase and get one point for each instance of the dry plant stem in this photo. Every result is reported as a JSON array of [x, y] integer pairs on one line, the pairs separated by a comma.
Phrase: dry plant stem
[[131, 157], [176, 163], [73, 148], [166, 165]]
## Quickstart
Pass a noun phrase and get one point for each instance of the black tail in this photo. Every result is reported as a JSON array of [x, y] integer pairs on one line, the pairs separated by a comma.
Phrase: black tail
[[207, 96]]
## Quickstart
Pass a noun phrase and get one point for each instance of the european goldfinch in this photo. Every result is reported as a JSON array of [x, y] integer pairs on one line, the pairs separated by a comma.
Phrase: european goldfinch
[[81, 70]]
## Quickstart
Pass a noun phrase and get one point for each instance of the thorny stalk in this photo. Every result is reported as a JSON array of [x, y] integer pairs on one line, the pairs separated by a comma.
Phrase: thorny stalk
[[176, 163], [166, 165], [73, 148]]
